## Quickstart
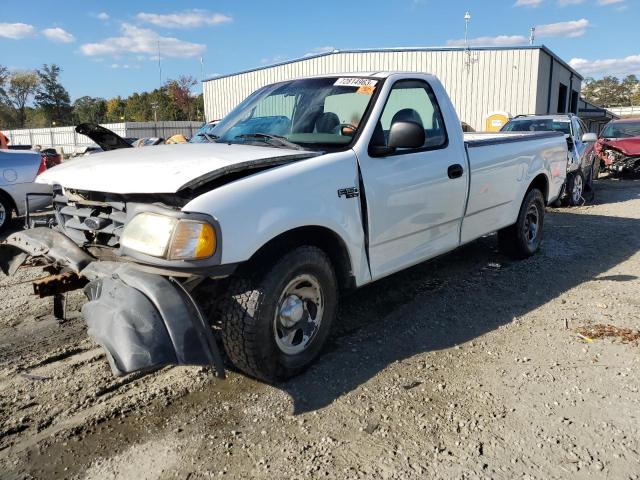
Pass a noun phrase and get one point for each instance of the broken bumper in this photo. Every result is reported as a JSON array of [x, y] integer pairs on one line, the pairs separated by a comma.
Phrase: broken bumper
[[143, 320]]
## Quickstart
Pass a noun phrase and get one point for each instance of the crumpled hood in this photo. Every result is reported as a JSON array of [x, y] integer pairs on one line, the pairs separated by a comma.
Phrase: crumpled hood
[[165, 168], [628, 146]]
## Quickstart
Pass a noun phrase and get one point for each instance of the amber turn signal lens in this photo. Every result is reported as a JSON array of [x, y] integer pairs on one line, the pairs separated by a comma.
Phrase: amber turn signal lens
[[192, 241]]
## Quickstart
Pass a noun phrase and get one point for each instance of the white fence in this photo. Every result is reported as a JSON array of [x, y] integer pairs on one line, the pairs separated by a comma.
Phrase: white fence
[[69, 141], [625, 111]]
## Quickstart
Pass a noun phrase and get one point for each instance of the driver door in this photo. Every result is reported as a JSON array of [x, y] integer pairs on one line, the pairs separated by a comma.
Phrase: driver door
[[415, 197]]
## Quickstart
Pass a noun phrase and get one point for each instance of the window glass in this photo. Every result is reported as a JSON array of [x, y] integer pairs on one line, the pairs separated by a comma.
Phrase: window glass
[[412, 100], [622, 129], [537, 125], [347, 106], [308, 112], [583, 126], [578, 130]]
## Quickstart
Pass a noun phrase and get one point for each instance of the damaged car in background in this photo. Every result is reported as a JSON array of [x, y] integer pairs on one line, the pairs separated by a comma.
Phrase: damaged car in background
[[307, 189], [618, 147]]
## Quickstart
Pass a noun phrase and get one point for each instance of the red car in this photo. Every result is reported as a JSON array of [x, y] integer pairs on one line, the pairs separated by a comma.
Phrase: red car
[[619, 147]]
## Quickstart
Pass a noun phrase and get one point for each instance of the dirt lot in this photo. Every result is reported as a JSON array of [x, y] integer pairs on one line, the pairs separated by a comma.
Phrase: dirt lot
[[469, 366]]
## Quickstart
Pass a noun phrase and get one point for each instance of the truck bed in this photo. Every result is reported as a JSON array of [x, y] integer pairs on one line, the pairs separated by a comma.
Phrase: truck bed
[[477, 139], [500, 166]]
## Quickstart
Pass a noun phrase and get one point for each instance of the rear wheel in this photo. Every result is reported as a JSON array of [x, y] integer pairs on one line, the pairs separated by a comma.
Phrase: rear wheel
[[5, 212], [523, 238], [274, 324]]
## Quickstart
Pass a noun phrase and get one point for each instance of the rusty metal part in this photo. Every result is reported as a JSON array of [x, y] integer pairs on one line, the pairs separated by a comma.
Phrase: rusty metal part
[[58, 284]]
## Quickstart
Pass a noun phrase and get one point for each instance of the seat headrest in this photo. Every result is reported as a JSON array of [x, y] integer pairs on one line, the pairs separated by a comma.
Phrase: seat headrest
[[407, 115], [327, 122]]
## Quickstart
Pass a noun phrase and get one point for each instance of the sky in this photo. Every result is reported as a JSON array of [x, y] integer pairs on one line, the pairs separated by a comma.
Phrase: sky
[[110, 48]]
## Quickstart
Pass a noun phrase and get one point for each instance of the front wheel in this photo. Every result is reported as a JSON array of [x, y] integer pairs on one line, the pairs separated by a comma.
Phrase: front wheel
[[5, 212], [575, 188], [274, 324], [523, 238]]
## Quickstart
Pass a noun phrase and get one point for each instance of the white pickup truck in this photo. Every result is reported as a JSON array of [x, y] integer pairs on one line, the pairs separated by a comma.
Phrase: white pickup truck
[[308, 188]]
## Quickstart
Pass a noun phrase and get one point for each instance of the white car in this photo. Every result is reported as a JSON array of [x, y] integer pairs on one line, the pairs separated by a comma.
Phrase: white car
[[307, 188], [18, 171]]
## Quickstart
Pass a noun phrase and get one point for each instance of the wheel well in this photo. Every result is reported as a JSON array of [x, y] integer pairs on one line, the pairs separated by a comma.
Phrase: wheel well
[[323, 238], [9, 198], [542, 184]]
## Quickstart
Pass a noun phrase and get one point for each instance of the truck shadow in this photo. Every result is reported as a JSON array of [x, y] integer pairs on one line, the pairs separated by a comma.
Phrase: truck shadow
[[460, 297]]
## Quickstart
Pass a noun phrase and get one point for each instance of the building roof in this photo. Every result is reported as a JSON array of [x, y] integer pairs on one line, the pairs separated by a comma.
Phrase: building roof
[[403, 49]]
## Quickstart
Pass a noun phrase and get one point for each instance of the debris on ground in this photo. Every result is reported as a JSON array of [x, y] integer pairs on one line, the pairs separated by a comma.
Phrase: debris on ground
[[625, 335]]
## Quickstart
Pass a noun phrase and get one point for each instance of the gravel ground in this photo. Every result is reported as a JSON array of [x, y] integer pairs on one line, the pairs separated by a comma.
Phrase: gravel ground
[[468, 366]]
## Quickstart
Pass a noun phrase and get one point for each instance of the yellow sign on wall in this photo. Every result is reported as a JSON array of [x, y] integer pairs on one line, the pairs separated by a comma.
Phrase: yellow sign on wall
[[495, 121]]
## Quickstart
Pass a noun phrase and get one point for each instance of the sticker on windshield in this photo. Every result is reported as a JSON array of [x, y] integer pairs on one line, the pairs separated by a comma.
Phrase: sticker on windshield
[[366, 90], [355, 82]]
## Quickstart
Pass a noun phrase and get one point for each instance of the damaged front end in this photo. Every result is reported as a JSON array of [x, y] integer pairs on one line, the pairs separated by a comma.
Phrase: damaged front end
[[620, 157], [144, 316], [619, 163]]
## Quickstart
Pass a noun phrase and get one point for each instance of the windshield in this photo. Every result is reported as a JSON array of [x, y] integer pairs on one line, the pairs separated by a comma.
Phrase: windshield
[[204, 134], [313, 113], [622, 130], [538, 125]]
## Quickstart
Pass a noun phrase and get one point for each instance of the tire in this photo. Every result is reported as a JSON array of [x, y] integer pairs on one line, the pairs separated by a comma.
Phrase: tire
[[256, 308], [6, 209], [595, 169], [516, 241], [575, 188]]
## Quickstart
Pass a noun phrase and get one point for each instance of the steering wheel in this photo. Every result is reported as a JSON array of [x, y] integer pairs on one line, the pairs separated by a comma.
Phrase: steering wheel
[[350, 126]]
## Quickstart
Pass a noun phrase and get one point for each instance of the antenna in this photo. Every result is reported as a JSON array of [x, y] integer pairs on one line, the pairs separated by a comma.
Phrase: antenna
[[159, 65], [467, 18], [532, 35]]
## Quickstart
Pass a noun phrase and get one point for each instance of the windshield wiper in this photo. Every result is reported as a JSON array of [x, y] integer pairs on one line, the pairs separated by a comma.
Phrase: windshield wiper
[[275, 140], [210, 137]]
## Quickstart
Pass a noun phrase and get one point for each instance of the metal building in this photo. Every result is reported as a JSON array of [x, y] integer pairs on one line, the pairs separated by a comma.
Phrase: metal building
[[480, 80]]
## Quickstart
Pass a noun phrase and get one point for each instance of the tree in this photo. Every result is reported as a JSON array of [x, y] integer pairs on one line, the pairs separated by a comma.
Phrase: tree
[[52, 97], [610, 91], [4, 76], [22, 86], [89, 109], [630, 86], [179, 92], [115, 110]]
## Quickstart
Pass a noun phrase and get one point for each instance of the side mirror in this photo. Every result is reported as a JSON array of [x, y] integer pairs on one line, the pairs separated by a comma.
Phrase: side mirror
[[570, 143], [403, 134], [589, 137], [406, 135]]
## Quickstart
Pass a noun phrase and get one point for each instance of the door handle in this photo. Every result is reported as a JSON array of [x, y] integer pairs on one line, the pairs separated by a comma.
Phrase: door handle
[[455, 171]]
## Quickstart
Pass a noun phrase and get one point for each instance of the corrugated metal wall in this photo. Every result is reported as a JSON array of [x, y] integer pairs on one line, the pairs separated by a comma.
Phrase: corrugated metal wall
[[67, 139], [478, 82]]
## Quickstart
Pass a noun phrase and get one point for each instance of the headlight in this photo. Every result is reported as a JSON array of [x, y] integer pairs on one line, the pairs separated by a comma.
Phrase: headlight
[[170, 238]]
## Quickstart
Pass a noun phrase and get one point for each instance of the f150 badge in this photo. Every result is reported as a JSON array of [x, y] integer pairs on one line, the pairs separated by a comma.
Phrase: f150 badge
[[349, 192]]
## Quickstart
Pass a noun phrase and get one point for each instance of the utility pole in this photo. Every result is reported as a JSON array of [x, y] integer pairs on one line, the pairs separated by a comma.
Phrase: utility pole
[[154, 106], [467, 50]]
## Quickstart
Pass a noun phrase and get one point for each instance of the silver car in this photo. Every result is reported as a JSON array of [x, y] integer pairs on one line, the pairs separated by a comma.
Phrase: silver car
[[18, 171], [581, 169]]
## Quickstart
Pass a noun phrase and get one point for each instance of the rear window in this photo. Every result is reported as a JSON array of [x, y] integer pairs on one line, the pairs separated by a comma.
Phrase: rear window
[[538, 125]]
